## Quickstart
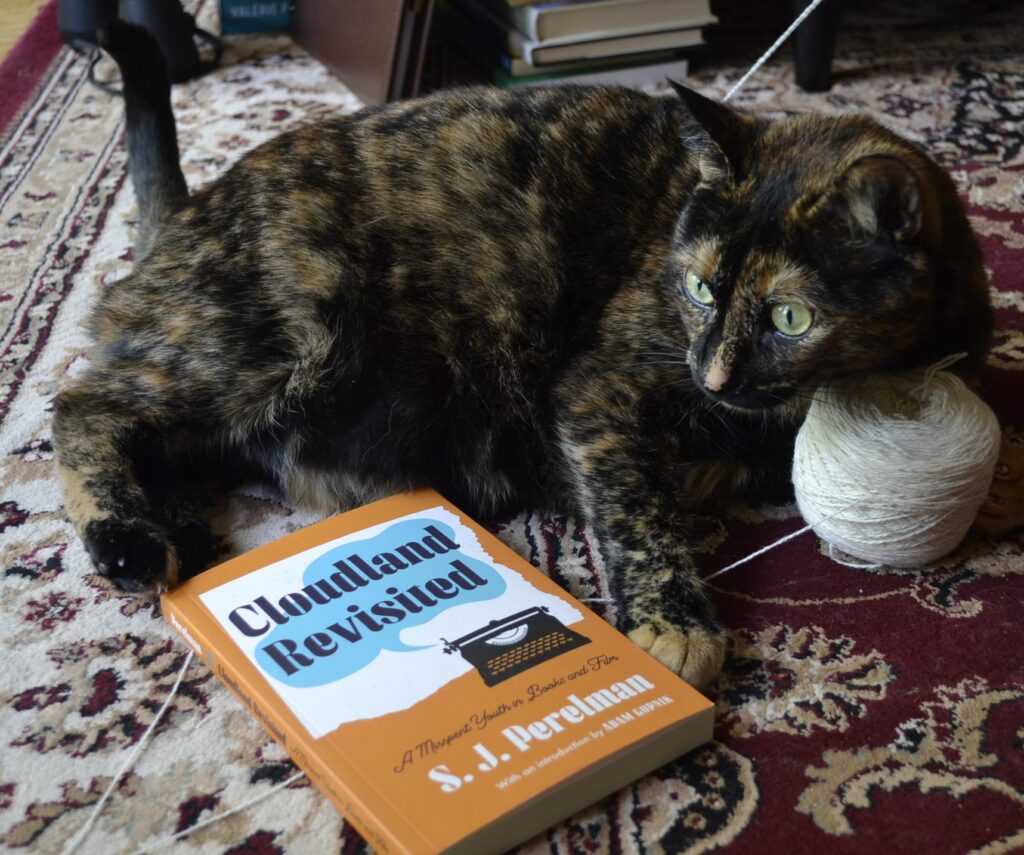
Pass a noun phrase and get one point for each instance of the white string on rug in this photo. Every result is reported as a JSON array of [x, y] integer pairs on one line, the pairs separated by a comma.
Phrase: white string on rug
[[160, 844], [782, 540], [83, 832], [834, 552], [768, 53]]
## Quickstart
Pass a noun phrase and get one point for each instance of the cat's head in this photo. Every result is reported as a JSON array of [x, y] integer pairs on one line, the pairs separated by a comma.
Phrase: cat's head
[[815, 247]]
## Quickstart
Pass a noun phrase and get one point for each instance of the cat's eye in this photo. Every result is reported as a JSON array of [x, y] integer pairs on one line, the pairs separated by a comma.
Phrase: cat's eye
[[792, 319], [698, 289]]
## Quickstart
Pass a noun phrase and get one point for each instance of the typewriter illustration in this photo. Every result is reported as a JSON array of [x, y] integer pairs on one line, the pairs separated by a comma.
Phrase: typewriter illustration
[[514, 644]]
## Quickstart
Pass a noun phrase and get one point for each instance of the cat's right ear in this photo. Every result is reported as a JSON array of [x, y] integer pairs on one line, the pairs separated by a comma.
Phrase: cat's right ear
[[717, 132], [877, 196]]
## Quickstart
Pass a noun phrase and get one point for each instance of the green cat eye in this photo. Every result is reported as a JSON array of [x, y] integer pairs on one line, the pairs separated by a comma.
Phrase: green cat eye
[[698, 289], [792, 318]]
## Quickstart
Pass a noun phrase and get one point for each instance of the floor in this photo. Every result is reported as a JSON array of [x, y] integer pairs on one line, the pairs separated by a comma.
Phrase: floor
[[16, 17]]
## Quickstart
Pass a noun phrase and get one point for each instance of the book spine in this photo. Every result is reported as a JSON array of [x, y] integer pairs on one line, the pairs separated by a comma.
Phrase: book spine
[[242, 16], [496, 32], [576, 22], [452, 25], [304, 755], [527, 20]]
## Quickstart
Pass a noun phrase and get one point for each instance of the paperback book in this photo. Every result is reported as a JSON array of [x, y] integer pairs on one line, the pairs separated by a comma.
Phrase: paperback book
[[636, 75], [444, 694]]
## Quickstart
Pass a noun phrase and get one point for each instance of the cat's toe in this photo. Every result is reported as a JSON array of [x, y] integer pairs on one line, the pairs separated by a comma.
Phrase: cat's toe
[[695, 654], [130, 554], [193, 543]]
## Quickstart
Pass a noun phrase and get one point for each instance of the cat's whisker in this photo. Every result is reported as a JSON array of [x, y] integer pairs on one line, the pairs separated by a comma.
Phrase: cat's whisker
[[638, 366], [673, 364], [811, 398], [683, 354]]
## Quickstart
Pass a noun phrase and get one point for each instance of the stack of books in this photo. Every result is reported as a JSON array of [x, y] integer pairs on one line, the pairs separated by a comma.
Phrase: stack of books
[[631, 42]]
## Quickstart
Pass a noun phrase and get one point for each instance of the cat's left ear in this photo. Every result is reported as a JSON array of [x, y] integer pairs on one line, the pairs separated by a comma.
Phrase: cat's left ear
[[719, 132], [878, 195]]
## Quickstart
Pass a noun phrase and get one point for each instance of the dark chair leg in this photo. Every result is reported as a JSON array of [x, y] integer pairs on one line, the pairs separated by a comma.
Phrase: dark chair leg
[[814, 43]]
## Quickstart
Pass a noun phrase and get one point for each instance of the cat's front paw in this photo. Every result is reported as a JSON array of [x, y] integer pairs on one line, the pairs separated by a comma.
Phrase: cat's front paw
[[696, 653], [131, 554]]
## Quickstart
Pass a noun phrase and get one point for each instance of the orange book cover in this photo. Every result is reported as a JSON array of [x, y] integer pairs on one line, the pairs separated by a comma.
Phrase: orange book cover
[[442, 692]]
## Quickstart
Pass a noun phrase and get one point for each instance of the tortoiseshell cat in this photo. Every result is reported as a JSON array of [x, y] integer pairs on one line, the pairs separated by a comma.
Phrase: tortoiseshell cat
[[579, 298]]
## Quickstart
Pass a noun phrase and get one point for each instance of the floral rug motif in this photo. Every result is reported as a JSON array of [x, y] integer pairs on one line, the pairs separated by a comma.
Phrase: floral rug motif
[[859, 709]]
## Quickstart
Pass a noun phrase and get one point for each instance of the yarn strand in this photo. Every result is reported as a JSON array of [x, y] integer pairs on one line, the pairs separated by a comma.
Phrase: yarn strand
[[768, 53], [83, 832], [160, 844], [779, 542]]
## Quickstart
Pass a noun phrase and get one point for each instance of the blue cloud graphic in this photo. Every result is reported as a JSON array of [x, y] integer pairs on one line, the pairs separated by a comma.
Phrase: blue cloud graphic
[[356, 600]]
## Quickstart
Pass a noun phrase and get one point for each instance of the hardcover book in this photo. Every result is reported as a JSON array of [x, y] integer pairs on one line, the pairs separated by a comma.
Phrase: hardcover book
[[583, 19], [443, 694]]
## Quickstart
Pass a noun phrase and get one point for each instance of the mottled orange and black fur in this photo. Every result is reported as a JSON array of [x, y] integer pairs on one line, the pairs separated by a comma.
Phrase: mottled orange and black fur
[[486, 292]]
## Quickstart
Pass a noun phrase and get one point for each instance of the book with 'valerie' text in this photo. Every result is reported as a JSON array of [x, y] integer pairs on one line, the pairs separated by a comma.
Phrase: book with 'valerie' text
[[444, 694]]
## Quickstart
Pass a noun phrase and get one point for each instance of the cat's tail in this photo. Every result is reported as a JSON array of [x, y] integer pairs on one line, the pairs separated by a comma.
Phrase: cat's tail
[[152, 141]]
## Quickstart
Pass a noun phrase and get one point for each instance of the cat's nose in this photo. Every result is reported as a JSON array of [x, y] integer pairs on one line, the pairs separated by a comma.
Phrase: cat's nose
[[715, 379], [717, 374]]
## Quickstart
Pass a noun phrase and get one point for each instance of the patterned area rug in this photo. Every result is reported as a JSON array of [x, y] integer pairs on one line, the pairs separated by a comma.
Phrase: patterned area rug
[[858, 710]]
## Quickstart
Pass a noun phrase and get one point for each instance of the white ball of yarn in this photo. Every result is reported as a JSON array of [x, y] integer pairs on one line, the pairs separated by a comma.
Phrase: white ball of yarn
[[892, 468]]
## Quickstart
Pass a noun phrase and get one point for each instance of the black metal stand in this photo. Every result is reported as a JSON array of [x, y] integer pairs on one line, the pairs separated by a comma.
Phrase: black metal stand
[[79, 22], [814, 44]]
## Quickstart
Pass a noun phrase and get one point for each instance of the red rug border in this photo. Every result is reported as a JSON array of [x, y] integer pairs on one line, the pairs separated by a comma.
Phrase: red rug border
[[25, 66]]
